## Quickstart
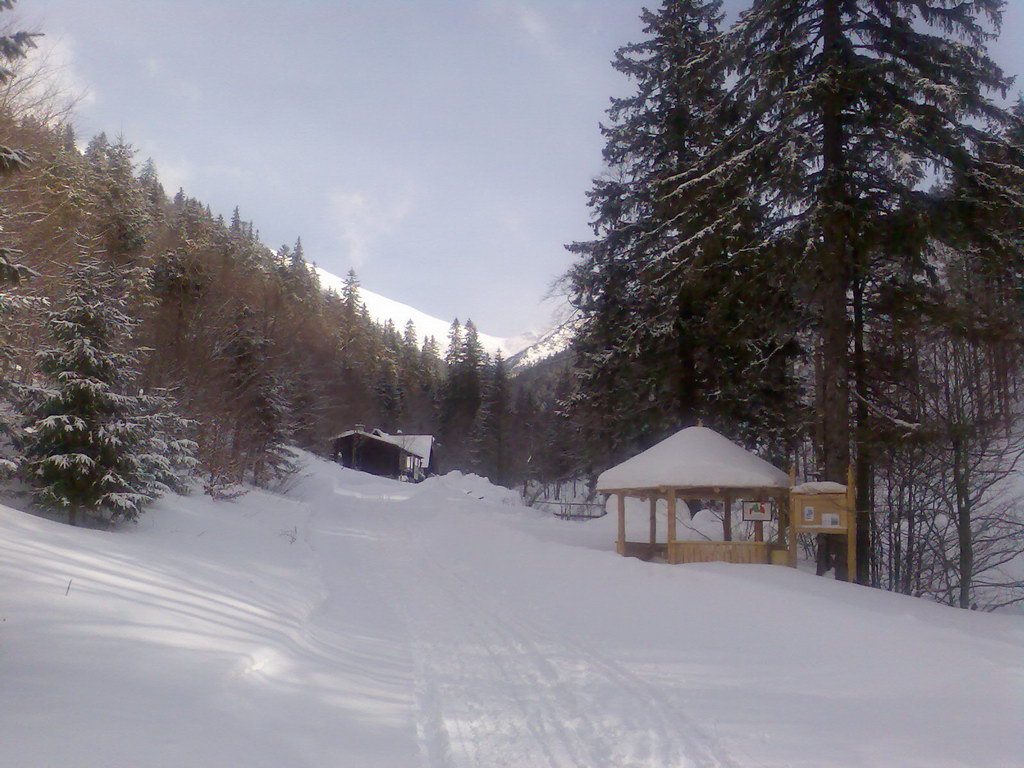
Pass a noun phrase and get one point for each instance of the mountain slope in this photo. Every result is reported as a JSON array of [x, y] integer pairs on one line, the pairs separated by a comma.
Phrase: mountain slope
[[382, 309], [554, 342], [387, 624]]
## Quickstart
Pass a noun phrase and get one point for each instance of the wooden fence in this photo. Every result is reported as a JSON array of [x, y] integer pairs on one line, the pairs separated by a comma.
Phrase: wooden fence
[[679, 552], [572, 510], [718, 551]]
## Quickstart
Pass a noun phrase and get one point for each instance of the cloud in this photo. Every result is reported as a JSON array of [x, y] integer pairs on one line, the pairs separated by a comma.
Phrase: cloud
[[362, 219], [175, 173], [529, 21], [541, 34], [47, 83], [532, 23], [157, 70]]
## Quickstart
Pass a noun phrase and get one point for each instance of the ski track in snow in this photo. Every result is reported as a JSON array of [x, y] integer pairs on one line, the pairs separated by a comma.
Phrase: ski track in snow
[[360, 623], [496, 690]]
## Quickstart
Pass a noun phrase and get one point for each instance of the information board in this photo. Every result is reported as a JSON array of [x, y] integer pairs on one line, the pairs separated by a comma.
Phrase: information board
[[820, 513], [757, 511]]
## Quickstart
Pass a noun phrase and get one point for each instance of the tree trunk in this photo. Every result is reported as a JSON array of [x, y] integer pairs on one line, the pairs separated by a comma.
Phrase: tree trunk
[[836, 236], [963, 523], [863, 468]]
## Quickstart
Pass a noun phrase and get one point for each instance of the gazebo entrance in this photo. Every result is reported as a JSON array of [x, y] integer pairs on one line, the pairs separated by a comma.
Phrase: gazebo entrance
[[672, 550], [700, 464]]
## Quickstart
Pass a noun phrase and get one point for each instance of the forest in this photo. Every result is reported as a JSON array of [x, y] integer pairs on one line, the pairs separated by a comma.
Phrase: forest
[[159, 340], [808, 236]]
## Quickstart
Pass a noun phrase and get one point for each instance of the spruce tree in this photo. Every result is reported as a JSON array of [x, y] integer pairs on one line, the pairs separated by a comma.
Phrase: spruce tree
[[851, 111], [490, 437], [671, 308], [350, 295], [410, 339], [13, 46], [259, 398], [94, 444]]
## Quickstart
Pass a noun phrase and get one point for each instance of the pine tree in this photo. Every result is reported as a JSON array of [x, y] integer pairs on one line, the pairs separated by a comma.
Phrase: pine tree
[[152, 191], [350, 295], [455, 350], [430, 354], [409, 336], [850, 109], [94, 444], [12, 47], [491, 455], [672, 308], [258, 397], [460, 397]]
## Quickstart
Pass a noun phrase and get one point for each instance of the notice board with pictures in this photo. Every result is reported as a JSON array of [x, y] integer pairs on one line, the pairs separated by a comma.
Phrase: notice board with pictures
[[820, 512], [757, 511]]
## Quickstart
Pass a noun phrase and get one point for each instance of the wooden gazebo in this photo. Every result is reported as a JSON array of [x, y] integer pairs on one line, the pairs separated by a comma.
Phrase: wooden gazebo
[[697, 463]]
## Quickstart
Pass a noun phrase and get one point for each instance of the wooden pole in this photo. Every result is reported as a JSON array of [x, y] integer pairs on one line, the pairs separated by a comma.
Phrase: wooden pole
[[758, 525], [791, 528], [671, 515], [727, 519], [654, 522], [620, 543], [782, 508], [851, 527]]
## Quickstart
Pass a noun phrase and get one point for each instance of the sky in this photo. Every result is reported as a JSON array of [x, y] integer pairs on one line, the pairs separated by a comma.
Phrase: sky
[[441, 148]]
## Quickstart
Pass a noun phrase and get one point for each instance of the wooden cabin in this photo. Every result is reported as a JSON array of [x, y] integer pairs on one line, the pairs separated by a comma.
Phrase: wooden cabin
[[403, 457], [699, 464]]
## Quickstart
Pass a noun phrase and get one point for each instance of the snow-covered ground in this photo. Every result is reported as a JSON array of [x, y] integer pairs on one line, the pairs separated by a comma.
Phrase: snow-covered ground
[[366, 623]]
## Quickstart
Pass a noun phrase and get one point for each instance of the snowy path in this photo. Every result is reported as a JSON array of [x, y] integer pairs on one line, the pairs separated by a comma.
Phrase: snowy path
[[496, 687], [362, 623], [528, 652]]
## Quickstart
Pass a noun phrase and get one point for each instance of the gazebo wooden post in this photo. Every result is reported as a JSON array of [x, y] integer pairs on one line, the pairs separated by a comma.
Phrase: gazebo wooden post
[[727, 518], [671, 535], [783, 521], [654, 522], [851, 527], [791, 533], [620, 543], [791, 529], [758, 525]]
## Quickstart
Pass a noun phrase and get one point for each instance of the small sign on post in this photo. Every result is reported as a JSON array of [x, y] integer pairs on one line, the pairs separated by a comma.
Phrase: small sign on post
[[757, 511]]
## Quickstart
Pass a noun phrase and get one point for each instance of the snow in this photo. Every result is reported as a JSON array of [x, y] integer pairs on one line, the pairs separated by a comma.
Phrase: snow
[[811, 489], [557, 340], [418, 445], [694, 457], [382, 309], [359, 622]]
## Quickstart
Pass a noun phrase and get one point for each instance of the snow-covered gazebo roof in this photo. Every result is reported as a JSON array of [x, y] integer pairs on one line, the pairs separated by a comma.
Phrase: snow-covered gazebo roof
[[695, 458]]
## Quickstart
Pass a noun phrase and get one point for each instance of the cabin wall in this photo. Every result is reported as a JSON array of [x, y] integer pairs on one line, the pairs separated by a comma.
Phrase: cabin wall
[[367, 455]]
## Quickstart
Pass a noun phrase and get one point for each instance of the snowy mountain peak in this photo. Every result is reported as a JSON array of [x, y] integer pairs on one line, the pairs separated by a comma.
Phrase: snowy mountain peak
[[382, 309], [548, 345]]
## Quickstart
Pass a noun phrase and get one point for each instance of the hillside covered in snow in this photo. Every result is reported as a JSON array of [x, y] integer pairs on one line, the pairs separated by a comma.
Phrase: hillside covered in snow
[[382, 309], [357, 621]]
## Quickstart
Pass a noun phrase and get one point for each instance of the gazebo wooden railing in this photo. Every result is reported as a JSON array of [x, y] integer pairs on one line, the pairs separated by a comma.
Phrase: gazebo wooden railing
[[678, 552], [698, 464], [718, 551]]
